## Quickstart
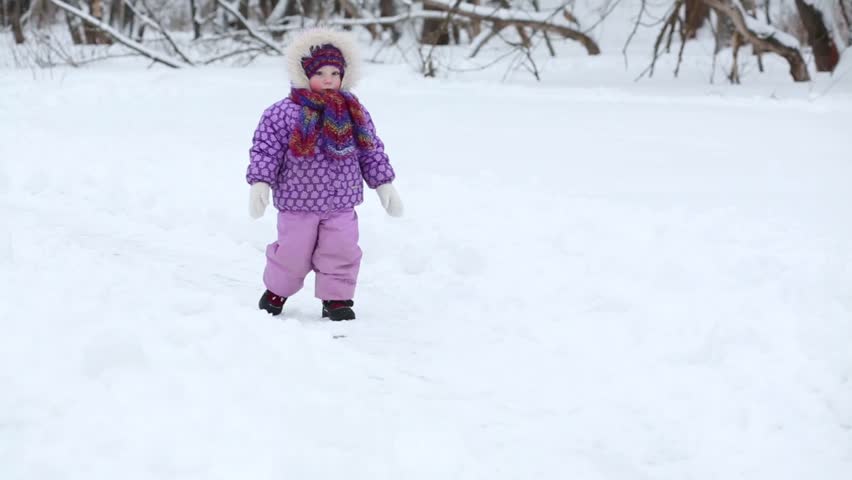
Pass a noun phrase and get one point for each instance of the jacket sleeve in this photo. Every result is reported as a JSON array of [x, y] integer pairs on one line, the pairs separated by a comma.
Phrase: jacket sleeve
[[375, 165], [269, 145]]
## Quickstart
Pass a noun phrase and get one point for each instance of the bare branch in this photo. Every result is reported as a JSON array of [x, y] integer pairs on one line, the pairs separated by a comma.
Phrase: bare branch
[[845, 15], [251, 31], [223, 56], [292, 25], [157, 57], [603, 16], [683, 37], [541, 21], [356, 12], [669, 25], [633, 32], [767, 40], [428, 66], [157, 25]]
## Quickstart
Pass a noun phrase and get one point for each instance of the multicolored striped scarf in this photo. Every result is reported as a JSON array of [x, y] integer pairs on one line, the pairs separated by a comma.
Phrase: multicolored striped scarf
[[335, 116]]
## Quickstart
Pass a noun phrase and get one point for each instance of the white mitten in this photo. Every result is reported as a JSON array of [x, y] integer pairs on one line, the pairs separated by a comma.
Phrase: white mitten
[[390, 199], [258, 199]]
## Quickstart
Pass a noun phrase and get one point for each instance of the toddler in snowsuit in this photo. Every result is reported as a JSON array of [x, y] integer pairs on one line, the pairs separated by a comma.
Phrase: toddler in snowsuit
[[314, 150]]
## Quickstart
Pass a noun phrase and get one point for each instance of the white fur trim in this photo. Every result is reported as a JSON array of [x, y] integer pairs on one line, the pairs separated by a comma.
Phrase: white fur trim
[[300, 47]]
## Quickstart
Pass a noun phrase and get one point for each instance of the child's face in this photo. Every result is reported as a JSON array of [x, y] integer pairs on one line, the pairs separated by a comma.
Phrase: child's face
[[326, 78]]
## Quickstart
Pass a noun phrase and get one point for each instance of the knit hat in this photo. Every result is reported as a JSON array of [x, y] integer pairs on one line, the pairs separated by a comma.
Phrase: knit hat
[[308, 46], [321, 56]]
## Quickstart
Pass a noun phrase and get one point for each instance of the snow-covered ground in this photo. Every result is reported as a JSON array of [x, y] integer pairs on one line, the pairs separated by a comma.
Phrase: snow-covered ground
[[637, 281]]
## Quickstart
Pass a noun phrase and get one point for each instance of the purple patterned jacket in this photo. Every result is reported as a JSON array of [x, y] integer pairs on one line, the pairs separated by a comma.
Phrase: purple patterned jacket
[[314, 184]]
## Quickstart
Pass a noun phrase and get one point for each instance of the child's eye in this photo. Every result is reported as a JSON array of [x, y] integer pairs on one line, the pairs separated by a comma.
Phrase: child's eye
[[335, 74]]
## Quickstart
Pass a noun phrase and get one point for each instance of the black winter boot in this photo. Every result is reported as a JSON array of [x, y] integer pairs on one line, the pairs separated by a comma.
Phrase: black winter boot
[[337, 310], [272, 303]]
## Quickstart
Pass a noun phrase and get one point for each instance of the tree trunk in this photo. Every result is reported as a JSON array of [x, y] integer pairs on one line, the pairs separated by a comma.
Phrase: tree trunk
[[724, 32], [387, 8], [300, 7], [124, 17], [435, 30], [16, 10], [825, 51], [128, 21], [475, 24], [266, 7], [326, 9], [229, 21], [352, 10], [89, 31], [115, 12], [734, 76], [696, 13], [196, 27], [93, 34], [17, 29], [74, 28]]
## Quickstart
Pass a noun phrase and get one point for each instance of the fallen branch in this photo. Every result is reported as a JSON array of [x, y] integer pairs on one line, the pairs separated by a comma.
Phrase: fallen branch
[[763, 36]]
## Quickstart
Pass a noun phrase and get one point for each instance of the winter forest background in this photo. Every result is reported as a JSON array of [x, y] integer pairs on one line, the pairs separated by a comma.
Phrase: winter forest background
[[626, 252], [199, 32]]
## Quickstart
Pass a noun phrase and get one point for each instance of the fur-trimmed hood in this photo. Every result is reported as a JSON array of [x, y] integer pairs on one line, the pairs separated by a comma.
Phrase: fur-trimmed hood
[[301, 45]]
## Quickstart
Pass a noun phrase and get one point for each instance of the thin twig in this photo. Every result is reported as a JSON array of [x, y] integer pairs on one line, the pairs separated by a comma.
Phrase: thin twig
[[155, 23], [427, 62], [633, 33], [603, 17], [682, 32], [218, 58]]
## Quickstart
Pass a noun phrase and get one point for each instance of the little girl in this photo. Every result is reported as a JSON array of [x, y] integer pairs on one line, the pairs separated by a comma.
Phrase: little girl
[[314, 149]]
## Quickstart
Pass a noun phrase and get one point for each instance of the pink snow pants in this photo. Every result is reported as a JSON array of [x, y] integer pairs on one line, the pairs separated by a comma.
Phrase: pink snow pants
[[326, 243]]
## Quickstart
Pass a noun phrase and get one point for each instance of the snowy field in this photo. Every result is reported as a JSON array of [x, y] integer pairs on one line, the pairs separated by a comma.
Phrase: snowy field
[[600, 281]]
